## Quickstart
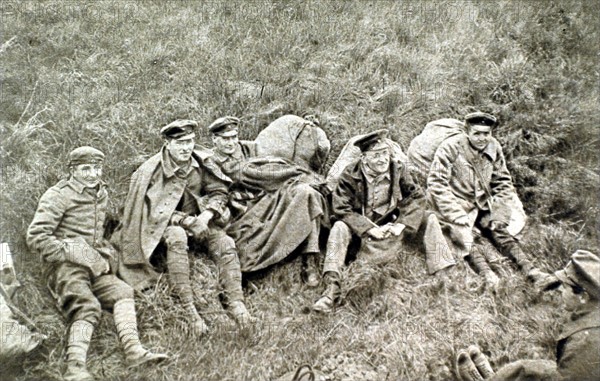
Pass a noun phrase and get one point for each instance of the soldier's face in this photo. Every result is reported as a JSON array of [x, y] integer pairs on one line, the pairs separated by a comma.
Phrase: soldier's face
[[569, 298], [378, 161], [225, 144], [479, 136], [87, 174], [180, 150]]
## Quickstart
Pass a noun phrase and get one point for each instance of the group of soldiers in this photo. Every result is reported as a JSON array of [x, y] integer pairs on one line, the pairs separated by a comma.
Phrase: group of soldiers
[[249, 213]]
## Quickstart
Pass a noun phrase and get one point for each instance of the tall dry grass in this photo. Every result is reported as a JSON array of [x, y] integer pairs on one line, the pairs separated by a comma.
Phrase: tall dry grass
[[109, 74]]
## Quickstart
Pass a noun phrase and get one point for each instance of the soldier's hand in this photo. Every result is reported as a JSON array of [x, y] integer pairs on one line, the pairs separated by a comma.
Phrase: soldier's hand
[[80, 252], [100, 267], [396, 229], [462, 221], [377, 233], [197, 226]]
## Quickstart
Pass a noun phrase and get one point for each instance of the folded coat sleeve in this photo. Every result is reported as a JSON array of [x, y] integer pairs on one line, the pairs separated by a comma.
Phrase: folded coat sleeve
[[501, 183], [438, 182], [342, 207], [40, 234]]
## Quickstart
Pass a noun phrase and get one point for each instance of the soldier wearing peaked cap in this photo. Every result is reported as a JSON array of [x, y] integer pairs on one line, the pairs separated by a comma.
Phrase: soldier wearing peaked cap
[[68, 231], [177, 197], [470, 186], [271, 191], [376, 200], [577, 355], [226, 126]]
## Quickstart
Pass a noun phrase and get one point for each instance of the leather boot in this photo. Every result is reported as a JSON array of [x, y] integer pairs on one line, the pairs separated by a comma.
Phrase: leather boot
[[331, 294], [527, 268], [240, 314], [196, 322], [125, 321], [481, 362], [79, 337], [310, 265], [466, 368]]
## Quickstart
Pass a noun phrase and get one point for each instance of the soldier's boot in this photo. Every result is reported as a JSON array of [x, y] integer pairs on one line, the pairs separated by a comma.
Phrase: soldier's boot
[[481, 362], [178, 264], [527, 268], [79, 337], [310, 265], [230, 277], [126, 324], [196, 323], [466, 368], [483, 268], [331, 294], [240, 314]]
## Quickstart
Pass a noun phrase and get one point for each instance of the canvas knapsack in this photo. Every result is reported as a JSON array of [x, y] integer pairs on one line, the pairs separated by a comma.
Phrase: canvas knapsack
[[422, 148], [296, 139]]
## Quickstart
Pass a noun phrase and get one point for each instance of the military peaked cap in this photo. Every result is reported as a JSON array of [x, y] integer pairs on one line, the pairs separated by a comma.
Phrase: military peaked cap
[[85, 155], [225, 126], [481, 119], [584, 271], [373, 141], [179, 130]]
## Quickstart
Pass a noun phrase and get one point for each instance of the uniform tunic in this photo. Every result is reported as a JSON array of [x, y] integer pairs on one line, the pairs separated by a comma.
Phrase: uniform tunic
[[363, 200], [160, 195], [577, 353], [68, 223], [456, 190]]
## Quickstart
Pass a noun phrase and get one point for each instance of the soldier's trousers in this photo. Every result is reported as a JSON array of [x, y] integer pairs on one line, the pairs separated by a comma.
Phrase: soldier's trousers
[[220, 247], [437, 254], [80, 296], [504, 241]]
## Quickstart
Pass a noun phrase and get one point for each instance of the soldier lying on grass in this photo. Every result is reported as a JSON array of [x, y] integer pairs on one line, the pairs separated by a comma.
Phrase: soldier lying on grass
[[68, 231], [577, 353]]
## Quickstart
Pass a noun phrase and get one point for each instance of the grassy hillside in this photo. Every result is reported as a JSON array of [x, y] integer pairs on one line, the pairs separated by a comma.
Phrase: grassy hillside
[[111, 73]]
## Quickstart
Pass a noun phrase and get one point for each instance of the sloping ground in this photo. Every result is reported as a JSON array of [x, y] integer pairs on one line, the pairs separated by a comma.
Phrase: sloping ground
[[110, 73]]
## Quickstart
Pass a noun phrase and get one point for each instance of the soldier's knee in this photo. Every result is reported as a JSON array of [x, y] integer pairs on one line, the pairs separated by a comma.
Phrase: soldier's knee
[[225, 244], [123, 291], [175, 235], [340, 227], [432, 219], [89, 311]]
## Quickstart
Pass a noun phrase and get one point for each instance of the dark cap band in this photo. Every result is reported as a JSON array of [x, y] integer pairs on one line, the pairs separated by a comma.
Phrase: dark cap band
[[85, 155], [481, 119]]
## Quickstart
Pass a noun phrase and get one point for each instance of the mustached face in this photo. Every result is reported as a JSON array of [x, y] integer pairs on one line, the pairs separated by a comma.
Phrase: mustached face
[[378, 161], [180, 150], [225, 144], [479, 136], [89, 175]]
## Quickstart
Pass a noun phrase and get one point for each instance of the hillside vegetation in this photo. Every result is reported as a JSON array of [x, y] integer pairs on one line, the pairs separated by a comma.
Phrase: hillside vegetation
[[111, 73]]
